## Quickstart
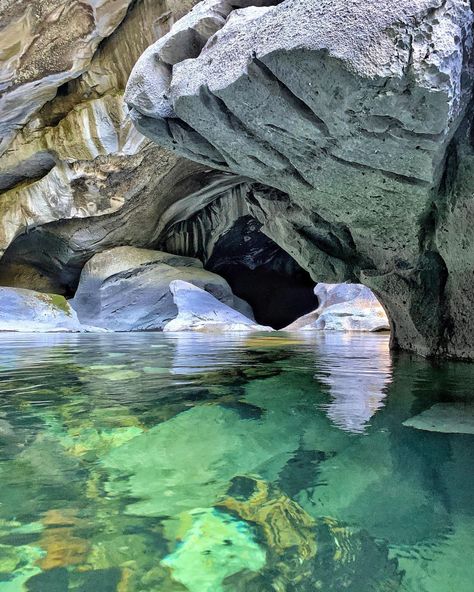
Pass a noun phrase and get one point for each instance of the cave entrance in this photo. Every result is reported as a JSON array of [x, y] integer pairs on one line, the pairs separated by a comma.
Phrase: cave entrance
[[277, 288]]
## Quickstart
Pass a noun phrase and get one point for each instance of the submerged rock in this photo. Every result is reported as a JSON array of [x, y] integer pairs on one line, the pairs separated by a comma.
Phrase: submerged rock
[[344, 307], [188, 461], [28, 311], [306, 553], [213, 546], [128, 289], [200, 311], [447, 418]]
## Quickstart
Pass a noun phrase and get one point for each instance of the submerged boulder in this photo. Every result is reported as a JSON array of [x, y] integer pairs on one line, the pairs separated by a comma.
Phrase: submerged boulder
[[214, 547], [447, 418], [128, 289], [200, 311], [344, 307], [29, 311]]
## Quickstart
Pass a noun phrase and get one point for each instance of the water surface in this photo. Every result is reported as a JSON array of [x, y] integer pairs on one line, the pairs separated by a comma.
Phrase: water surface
[[160, 463]]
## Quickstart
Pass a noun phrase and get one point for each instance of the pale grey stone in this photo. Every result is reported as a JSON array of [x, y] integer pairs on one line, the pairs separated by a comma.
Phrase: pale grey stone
[[28, 311], [199, 310], [354, 118], [447, 418], [127, 289], [344, 307]]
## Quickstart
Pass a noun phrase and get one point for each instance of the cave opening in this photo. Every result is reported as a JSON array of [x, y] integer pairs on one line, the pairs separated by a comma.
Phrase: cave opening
[[259, 271]]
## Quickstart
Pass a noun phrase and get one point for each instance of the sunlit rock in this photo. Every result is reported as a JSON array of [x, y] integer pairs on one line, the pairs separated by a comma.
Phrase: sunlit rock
[[343, 307], [211, 546], [199, 310], [29, 311]]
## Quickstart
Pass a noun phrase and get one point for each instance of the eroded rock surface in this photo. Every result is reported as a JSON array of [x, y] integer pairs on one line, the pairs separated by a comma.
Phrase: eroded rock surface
[[69, 151], [344, 307], [128, 289], [357, 115], [43, 45]]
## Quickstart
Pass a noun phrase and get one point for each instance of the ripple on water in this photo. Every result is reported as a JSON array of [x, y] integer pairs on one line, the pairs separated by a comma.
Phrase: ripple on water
[[257, 463]]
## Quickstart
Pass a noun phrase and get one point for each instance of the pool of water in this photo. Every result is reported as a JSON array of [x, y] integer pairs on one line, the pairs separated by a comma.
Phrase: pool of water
[[282, 463]]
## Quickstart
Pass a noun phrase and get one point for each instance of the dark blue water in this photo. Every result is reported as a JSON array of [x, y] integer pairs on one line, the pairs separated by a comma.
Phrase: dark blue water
[[159, 463]]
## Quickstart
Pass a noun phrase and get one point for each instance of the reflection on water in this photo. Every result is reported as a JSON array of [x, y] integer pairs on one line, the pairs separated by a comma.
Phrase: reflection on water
[[357, 380], [281, 463]]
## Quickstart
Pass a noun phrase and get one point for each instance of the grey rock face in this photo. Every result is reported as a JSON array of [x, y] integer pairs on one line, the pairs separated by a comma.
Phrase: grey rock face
[[127, 289], [344, 307], [30, 312], [71, 152], [43, 45], [356, 114], [199, 310]]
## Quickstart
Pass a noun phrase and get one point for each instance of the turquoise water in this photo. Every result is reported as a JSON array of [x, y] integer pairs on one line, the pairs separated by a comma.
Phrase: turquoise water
[[159, 463]]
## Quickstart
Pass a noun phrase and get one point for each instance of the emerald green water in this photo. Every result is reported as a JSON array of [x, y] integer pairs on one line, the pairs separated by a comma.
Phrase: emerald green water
[[159, 463]]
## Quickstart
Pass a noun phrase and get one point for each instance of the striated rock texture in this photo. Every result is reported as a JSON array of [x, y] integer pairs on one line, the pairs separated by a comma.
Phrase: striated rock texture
[[45, 43], [343, 307], [68, 150], [128, 289], [355, 118]]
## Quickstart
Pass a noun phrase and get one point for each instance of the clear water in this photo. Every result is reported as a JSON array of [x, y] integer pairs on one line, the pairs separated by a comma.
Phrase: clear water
[[153, 463]]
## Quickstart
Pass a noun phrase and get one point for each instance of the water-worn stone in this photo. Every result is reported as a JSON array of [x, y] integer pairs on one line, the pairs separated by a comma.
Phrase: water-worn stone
[[357, 115], [344, 307], [128, 289], [69, 151], [211, 546], [29, 311], [447, 418], [43, 45], [200, 311]]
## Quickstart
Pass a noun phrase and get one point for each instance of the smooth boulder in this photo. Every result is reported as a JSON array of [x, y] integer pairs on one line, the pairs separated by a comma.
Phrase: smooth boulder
[[28, 311], [344, 307], [446, 418], [199, 310], [127, 289]]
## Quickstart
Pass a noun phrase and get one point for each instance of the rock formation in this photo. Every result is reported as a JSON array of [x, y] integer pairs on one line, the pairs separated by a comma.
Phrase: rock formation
[[68, 150], [199, 310], [28, 311], [353, 119], [128, 289], [343, 307], [341, 129]]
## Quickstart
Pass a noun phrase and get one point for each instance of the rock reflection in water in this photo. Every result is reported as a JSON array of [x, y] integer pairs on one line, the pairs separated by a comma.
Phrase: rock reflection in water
[[174, 463], [357, 380]]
